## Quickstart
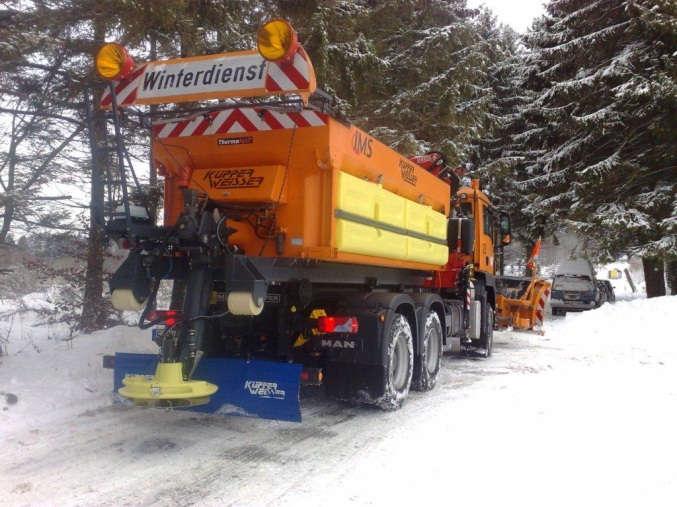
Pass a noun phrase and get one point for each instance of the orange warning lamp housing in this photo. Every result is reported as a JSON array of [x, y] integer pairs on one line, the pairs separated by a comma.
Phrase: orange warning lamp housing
[[113, 62], [277, 40]]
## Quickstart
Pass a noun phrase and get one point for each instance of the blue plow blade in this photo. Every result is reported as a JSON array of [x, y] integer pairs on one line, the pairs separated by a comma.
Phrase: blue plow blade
[[254, 388]]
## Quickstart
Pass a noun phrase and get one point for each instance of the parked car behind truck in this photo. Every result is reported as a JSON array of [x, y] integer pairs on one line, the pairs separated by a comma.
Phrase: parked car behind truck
[[574, 288]]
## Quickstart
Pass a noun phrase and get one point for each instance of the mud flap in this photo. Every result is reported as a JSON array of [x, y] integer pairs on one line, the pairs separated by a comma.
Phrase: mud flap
[[264, 389]]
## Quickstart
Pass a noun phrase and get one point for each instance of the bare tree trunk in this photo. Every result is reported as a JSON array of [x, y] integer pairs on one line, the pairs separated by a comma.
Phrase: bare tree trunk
[[630, 281], [11, 168], [152, 174], [94, 312], [6, 220], [653, 276], [671, 275]]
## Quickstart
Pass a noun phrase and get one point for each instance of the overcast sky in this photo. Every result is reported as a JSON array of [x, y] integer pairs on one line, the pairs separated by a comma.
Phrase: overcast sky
[[518, 14]]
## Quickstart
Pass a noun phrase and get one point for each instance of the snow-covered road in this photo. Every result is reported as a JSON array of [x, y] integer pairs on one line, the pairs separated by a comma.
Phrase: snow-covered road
[[585, 415]]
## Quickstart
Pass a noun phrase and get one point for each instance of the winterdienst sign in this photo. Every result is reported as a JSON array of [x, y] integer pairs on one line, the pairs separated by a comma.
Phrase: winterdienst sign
[[213, 75], [240, 74]]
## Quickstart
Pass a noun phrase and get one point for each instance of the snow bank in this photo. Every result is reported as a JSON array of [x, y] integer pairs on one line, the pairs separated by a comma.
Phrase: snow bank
[[53, 378], [584, 415], [591, 421]]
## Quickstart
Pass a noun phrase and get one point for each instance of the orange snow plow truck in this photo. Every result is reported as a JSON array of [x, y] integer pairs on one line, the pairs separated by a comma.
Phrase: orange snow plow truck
[[302, 250]]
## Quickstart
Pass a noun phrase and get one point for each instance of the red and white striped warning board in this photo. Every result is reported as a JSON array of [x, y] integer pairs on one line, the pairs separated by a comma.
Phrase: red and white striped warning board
[[540, 309], [240, 74], [237, 120], [290, 76], [126, 89]]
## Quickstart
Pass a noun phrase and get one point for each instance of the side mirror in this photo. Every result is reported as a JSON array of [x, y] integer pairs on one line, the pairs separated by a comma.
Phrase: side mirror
[[461, 230], [504, 229]]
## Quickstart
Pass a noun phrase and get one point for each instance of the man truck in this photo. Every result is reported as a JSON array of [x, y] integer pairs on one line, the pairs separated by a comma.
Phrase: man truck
[[293, 239]]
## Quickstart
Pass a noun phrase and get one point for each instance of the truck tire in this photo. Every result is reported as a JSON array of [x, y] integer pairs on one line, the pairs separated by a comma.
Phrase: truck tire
[[486, 340], [398, 359], [487, 332], [427, 365], [178, 294]]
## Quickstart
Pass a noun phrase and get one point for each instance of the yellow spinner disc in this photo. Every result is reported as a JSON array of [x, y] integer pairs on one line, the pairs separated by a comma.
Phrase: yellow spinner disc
[[166, 388]]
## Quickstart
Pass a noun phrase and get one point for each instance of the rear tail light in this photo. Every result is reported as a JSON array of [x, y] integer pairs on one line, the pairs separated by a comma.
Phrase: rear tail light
[[166, 317], [338, 325], [312, 376]]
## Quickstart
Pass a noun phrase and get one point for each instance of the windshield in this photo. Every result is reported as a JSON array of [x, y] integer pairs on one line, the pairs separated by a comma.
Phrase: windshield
[[573, 276], [572, 283]]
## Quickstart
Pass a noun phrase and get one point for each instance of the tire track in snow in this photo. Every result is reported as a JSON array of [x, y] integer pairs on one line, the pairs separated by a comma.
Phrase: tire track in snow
[[118, 455]]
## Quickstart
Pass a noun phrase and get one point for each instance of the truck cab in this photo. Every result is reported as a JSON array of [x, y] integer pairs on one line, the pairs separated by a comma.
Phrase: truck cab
[[491, 228]]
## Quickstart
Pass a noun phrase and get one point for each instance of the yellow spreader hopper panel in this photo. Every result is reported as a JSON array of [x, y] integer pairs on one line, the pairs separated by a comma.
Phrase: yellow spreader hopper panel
[[166, 388], [373, 221]]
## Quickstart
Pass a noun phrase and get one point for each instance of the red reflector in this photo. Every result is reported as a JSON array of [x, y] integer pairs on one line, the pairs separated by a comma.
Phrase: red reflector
[[311, 376], [337, 325], [168, 317]]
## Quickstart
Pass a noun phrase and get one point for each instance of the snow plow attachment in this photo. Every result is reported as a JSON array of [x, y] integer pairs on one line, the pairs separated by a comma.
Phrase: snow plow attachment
[[525, 312], [265, 389], [519, 308]]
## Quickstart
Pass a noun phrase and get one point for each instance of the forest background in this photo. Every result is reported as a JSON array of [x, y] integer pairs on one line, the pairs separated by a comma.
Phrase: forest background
[[571, 126]]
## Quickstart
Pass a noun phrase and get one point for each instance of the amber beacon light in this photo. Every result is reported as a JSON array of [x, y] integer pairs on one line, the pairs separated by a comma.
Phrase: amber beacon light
[[113, 62], [277, 40]]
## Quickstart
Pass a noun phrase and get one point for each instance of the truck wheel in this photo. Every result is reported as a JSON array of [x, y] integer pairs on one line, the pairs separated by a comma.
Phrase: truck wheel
[[427, 365], [487, 332], [178, 294], [399, 363], [486, 340]]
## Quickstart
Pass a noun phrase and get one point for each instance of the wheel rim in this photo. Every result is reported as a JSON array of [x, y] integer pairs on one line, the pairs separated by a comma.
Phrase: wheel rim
[[433, 352], [399, 362]]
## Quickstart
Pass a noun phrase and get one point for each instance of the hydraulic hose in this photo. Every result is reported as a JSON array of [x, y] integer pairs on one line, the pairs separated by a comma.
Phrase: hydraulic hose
[[196, 303]]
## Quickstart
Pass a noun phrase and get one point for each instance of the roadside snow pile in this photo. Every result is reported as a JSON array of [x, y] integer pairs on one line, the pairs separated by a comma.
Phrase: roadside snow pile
[[591, 421], [49, 377], [621, 326]]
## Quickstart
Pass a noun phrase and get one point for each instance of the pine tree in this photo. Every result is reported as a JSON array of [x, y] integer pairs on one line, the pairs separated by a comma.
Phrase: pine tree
[[414, 73], [37, 129], [498, 154], [435, 92], [601, 124]]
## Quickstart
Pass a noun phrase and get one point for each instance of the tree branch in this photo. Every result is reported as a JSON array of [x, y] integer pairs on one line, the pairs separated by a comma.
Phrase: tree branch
[[45, 163], [40, 114]]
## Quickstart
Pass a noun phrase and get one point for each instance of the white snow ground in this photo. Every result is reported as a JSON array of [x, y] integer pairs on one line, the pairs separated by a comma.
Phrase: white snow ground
[[585, 415]]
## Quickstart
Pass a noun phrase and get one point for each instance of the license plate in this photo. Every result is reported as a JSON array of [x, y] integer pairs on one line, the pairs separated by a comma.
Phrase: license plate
[[571, 296]]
